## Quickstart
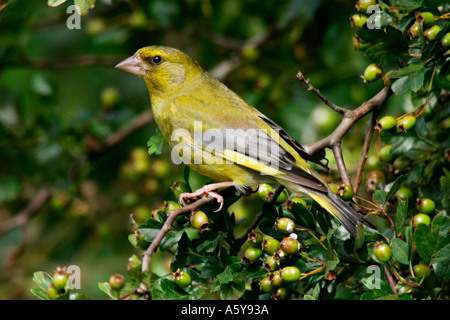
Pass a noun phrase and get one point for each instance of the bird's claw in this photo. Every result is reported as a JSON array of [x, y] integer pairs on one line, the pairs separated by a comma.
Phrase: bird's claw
[[198, 193]]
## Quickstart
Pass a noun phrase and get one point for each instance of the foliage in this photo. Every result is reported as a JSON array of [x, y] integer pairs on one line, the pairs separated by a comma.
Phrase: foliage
[[65, 125]]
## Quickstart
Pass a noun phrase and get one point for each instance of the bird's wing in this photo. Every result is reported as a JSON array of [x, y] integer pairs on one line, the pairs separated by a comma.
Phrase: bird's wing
[[238, 134]]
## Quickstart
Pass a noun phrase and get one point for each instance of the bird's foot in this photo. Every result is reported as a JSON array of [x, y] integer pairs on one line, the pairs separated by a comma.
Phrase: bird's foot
[[206, 190]]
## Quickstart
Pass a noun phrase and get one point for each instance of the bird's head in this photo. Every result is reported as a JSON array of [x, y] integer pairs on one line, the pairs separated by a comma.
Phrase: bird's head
[[163, 69]]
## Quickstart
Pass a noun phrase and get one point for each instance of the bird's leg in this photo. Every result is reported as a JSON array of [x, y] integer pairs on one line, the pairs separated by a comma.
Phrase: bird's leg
[[207, 189]]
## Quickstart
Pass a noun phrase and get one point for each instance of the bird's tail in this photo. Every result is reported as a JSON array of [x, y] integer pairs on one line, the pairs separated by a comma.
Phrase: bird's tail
[[340, 210]]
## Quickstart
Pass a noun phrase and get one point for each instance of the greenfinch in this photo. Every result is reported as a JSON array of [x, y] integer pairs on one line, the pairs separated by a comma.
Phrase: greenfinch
[[215, 132]]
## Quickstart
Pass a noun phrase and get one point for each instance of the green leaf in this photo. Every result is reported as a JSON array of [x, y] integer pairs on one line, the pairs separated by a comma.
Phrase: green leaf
[[380, 196], [405, 4], [395, 186], [39, 293], [212, 266], [400, 85], [400, 250], [84, 5], [404, 71], [303, 216], [402, 209], [55, 3], [416, 80], [42, 279], [155, 144], [425, 242]]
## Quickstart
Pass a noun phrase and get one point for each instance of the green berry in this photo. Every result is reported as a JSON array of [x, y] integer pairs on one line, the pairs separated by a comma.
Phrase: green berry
[[282, 197], [421, 218], [285, 225], [265, 284], [181, 278], [252, 254], [427, 17], [282, 294], [170, 206], [264, 191], [387, 123], [255, 238], [117, 281], [382, 251], [299, 200], [359, 44], [403, 193], [270, 245], [358, 20], [445, 41], [199, 220], [426, 205], [431, 33], [276, 279], [406, 123], [413, 31], [372, 73], [421, 270], [280, 256], [363, 5], [178, 188], [401, 163], [345, 192], [290, 274], [109, 96], [60, 279], [52, 293], [289, 245], [385, 154], [270, 263]]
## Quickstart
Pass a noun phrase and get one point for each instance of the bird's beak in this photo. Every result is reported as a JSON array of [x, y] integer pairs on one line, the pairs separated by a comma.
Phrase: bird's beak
[[133, 65]]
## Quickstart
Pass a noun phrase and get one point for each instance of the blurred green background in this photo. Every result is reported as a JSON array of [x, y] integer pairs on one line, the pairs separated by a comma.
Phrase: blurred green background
[[74, 130]]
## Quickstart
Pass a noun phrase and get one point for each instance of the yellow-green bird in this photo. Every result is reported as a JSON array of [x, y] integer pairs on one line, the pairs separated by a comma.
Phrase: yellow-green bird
[[218, 134]]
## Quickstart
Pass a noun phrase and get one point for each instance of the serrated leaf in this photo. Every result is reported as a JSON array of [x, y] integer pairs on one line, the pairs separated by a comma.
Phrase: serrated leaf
[[303, 216], [404, 71], [380, 197], [400, 250], [170, 239], [42, 279], [416, 80], [155, 144], [39, 293], [405, 4], [400, 85], [84, 5], [425, 242]]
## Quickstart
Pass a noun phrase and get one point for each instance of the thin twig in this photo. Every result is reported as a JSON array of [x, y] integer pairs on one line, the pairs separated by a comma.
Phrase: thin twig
[[260, 215], [349, 119], [168, 225], [335, 107], [365, 150], [337, 151], [24, 216]]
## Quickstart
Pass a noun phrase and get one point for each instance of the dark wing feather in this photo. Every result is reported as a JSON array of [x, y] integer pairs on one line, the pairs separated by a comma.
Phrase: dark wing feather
[[292, 142]]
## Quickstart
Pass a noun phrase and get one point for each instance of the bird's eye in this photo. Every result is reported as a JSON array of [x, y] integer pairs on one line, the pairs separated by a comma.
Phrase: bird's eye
[[157, 59]]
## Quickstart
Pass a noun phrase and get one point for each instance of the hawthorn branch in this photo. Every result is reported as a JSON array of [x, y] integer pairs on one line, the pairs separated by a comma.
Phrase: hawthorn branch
[[23, 216], [278, 190], [168, 225], [365, 150], [335, 107], [348, 120]]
